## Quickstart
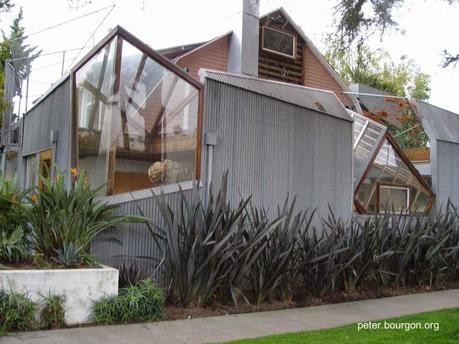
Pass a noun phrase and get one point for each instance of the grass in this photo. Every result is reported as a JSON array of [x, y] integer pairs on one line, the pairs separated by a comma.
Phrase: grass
[[448, 332]]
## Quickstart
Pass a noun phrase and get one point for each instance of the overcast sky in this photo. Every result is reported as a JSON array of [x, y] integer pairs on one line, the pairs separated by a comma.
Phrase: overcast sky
[[429, 25]]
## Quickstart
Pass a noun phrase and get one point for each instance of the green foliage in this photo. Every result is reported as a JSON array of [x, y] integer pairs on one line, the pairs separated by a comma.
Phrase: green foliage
[[376, 68], [52, 313], [17, 312], [66, 219], [22, 53], [14, 232], [14, 47], [137, 303]]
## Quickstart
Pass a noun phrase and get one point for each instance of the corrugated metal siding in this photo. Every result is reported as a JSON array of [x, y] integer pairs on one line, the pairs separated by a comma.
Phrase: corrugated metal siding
[[212, 56], [271, 148], [314, 99], [53, 113], [445, 167], [316, 75], [135, 242]]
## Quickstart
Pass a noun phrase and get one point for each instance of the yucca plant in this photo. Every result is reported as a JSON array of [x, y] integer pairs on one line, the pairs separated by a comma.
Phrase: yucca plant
[[66, 219]]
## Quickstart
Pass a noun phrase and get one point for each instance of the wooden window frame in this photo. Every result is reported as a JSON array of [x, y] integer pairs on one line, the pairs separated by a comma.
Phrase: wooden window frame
[[121, 33], [293, 57]]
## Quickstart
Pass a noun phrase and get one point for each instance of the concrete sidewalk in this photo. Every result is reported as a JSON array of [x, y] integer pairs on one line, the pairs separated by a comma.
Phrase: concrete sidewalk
[[229, 327]]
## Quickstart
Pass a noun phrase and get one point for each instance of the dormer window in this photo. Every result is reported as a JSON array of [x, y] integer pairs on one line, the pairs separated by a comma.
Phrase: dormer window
[[279, 42]]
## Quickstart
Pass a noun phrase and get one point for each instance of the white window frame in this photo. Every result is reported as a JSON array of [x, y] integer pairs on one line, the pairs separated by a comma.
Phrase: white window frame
[[275, 51], [406, 188]]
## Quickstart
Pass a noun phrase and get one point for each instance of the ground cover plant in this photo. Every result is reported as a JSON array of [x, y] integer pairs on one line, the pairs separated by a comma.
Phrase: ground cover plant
[[17, 312], [139, 302], [52, 312], [448, 330]]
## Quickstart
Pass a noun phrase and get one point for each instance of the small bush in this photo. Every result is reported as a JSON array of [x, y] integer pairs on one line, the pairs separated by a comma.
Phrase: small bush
[[17, 312], [136, 303], [66, 219], [52, 314]]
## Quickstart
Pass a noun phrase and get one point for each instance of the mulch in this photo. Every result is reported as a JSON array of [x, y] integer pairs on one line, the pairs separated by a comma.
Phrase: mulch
[[176, 312]]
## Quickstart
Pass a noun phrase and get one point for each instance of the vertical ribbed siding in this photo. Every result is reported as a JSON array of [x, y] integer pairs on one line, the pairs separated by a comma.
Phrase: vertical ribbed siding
[[445, 167], [132, 243], [53, 113], [271, 148]]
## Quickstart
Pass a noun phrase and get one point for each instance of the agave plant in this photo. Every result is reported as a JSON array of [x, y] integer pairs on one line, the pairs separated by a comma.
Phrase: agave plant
[[66, 219]]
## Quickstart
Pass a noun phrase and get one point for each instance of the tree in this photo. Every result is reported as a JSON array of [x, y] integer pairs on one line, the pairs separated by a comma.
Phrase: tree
[[403, 79], [356, 20], [375, 68], [14, 47]]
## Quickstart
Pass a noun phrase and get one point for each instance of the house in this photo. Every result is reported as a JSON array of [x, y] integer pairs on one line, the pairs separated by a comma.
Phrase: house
[[260, 102]]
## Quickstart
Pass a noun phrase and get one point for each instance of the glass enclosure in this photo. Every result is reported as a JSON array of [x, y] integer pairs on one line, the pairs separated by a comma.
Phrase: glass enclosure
[[137, 121], [389, 183], [390, 170]]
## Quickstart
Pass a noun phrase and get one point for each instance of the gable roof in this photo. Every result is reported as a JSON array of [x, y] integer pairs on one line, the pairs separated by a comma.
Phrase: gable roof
[[315, 51], [310, 98], [180, 51]]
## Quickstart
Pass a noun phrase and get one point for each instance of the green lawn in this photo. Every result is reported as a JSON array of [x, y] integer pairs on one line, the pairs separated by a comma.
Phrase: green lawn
[[448, 332]]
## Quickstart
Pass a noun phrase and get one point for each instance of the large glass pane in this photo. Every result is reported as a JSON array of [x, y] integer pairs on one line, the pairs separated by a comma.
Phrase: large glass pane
[[146, 136], [96, 108], [367, 136]]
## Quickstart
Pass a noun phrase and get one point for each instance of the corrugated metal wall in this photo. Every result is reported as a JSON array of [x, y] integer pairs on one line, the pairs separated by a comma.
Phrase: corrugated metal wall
[[53, 113], [133, 242], [271, 148], [445, 171]]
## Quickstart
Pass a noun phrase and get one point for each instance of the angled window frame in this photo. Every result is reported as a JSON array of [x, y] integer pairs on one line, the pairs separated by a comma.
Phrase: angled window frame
[[118, 34], [387, 136]]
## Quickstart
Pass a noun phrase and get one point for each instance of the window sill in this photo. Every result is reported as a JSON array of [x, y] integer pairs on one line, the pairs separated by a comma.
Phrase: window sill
[[149, 193]]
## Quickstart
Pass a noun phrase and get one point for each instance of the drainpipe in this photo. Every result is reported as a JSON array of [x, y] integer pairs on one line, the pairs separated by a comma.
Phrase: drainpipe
[[54, 137], [210, 141]]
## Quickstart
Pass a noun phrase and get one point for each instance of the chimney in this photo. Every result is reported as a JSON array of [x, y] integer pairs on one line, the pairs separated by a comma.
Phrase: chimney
[[243, 46]]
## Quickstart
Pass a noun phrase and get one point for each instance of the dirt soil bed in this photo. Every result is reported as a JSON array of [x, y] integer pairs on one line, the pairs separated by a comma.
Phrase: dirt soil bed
[[175, 312]]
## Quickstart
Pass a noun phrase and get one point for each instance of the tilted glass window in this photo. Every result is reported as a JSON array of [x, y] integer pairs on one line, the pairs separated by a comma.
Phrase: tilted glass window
[[137, 121], [367, 136], [279, 42], [390, 169]]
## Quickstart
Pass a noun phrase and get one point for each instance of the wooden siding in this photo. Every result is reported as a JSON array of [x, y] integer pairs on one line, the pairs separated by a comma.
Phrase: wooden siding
[[277, 67], [213, 55], [317, 76]]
